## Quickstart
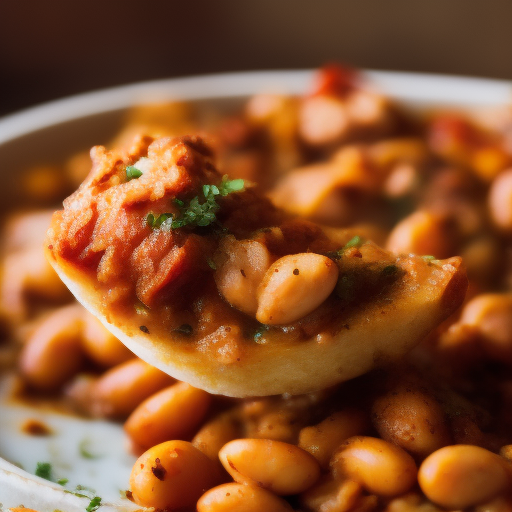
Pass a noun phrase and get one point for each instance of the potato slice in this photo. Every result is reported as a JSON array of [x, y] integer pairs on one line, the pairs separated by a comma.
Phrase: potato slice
[[110, 259]]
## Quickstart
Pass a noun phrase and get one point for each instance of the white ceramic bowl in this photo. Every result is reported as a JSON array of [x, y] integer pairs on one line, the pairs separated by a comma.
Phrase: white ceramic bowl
[[52, 132]]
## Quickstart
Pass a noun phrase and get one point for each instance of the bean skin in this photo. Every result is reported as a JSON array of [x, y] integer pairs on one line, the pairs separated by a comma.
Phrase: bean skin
[[122, 388], [102, 346], [235, 497], [172, 475], [329, 495], [53, 354], [461, 476], [216, 433], [500, 195], [381, 467], [240, 270], [294, 286], [411, 418], [490, 314], [322, 439], [422, 233], [173, 413], [279, 467]]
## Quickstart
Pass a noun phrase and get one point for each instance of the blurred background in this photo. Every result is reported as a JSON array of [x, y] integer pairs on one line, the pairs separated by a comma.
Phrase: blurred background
[[55, 48]]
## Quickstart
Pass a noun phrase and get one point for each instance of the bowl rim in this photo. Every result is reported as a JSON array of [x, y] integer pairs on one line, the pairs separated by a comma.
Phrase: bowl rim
[[420, 88]]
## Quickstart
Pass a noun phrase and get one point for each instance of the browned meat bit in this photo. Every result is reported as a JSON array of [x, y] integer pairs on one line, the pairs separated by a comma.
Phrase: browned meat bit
[[104, 225]]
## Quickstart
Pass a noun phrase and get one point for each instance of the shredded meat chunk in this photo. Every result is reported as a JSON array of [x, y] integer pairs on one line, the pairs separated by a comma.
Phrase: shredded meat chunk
[[103, 225]]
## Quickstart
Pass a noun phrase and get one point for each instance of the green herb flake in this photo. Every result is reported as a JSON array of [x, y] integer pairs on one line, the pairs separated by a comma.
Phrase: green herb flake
[[132, 172], [228, 186], [85, 492], [82, 492], [158, 221], [84, 450], [211, 264], [84, 488], [199, 212], [94, 505], [44, 470], [78, 494], [429, 259], [356, 241], [62, 481]]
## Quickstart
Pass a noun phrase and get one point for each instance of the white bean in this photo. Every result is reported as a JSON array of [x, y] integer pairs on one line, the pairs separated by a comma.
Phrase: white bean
[[241, 266], [294, 286]]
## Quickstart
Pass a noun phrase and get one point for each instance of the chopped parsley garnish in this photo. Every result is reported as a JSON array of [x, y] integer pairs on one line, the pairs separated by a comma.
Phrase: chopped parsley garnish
[[156, 222], [132, 172], [85, 492], [356, 241], [226, 187], [82, 492], [94, 505], [199, 212], [211, 264], [44, 470]]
